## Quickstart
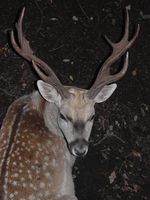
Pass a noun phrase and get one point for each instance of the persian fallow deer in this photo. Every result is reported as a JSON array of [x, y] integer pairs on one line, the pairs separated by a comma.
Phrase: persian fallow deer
[[44, 132]]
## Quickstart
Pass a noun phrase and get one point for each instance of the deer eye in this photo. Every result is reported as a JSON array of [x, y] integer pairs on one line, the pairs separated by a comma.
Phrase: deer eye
[[91, 118], [67, 118], [63, 117]]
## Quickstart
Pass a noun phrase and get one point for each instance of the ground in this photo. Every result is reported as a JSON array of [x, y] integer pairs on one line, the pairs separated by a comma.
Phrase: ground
[[68, 34]]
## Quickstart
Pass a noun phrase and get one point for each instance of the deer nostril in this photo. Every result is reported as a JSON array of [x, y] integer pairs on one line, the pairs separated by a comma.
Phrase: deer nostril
[[79, 148], [80, 152]]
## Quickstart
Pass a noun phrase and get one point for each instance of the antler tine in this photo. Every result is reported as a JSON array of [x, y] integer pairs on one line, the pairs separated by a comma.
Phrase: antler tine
[[126, 33], [23, 48], [118, 49]]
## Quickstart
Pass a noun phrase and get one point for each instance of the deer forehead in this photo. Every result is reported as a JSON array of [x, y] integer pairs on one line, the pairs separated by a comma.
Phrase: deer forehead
[[78, 106]]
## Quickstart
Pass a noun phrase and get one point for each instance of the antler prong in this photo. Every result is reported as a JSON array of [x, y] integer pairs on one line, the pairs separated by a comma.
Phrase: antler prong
[[123, 71], [126, 31], [19, 28], [109, 41]]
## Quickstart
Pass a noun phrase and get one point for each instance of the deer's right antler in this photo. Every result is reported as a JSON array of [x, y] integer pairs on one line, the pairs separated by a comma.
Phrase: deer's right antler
[[23, 48]]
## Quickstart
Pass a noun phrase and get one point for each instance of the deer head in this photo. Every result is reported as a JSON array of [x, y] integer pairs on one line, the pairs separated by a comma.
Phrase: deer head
[[76, 106]]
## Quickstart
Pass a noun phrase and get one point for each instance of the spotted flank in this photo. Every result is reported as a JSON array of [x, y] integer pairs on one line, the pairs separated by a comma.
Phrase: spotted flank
[[29, 162]]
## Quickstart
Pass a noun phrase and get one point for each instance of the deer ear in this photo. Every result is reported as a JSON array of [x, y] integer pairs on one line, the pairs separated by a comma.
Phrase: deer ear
[[48, 92], [105, 93]]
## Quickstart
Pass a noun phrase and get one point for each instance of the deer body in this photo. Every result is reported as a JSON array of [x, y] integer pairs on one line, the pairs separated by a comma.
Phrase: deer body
[[35, 161], [44, 132]]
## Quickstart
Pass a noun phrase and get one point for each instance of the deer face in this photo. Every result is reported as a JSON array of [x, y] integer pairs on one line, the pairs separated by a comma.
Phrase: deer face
[[75, 114], [76, 120]]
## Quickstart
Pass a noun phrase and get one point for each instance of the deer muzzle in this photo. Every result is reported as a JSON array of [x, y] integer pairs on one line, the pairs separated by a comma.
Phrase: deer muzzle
[[79, 147]]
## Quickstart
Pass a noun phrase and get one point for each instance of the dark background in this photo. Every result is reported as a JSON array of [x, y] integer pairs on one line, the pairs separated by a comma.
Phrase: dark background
[[67, 34]]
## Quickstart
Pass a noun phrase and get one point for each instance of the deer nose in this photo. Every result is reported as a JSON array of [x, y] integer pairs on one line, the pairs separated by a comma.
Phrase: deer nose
[[79, 148]]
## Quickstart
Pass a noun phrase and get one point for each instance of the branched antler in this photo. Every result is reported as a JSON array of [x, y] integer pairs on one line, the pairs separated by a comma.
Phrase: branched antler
[[104, 77], [23, 48]]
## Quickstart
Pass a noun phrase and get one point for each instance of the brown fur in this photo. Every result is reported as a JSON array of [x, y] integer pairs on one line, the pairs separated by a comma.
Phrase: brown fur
[[29, 160]]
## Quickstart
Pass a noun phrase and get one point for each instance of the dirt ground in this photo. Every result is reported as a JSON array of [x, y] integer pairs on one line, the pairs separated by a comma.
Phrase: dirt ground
[[67, 34]]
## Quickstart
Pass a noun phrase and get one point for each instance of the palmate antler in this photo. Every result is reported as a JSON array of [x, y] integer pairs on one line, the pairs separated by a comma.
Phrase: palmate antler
[[23, 48], [104, 77]]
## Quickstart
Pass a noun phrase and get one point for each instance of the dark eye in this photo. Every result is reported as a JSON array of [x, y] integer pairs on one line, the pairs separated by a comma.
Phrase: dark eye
[[91, 118], [62, 117]]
